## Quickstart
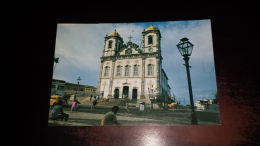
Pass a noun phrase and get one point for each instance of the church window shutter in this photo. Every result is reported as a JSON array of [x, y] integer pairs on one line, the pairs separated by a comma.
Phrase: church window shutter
[[150, 69], [106, 71], [135, 70], [150, 39], [118, 71], [110, 44], [127, 70]]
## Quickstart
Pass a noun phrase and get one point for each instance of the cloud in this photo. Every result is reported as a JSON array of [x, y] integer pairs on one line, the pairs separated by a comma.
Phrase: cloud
[[80, 44], [198, 33]]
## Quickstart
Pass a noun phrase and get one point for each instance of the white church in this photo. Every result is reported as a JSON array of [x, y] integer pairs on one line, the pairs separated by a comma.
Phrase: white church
[[133, 72]]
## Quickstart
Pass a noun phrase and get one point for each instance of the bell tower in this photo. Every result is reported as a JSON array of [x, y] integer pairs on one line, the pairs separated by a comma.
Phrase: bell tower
[[151, 47], [151, 40], [113, 43]]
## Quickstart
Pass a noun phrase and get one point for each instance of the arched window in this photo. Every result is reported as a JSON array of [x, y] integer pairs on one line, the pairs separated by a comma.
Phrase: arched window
[[150, 69], [106, 71], [150, 39], [135, 70], [118, 71], [127, 70], [110, 44]]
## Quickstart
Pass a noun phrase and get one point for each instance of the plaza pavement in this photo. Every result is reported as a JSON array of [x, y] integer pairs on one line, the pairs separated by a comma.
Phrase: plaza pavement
[[84, 116]]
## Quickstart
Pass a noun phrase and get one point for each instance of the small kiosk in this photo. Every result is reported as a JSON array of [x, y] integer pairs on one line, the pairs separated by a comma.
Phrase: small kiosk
[[141, 106]]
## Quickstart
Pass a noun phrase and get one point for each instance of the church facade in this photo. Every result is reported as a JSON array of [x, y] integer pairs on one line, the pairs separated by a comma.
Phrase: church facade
[[130, 71]]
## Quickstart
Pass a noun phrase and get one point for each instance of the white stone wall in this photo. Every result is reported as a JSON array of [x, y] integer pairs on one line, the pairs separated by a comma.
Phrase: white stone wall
[[150, 83], [131, 63], [104, 86], [134, 81]]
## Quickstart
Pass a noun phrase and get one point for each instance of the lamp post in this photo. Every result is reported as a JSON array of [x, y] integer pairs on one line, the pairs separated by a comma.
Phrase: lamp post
[[151, 90], [56, 60], [149, 93], [150, 98], [78, 79], [185, 48]]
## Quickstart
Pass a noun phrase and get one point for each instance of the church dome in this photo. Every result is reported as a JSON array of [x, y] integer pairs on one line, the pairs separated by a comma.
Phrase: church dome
[[151, 28], [114, 33]]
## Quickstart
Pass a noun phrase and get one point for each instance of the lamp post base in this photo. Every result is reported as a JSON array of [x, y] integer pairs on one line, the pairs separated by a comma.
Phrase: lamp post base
[[194, 120], [142, 97]]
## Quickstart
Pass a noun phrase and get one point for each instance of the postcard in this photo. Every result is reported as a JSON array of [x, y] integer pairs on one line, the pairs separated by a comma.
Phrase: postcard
[[143, 73]]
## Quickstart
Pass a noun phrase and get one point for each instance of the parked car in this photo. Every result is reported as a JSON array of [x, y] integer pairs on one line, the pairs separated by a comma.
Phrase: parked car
[[54, 99]]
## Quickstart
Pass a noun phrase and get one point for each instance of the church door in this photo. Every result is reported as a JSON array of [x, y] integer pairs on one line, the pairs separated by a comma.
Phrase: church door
[[116, 93], [125, 92], [134, 94]]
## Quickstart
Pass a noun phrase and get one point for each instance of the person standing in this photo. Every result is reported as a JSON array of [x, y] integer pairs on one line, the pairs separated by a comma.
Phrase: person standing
[[110, 117], [57, 112], [66, 97], [126, 106], [94, 103], [90, 97]]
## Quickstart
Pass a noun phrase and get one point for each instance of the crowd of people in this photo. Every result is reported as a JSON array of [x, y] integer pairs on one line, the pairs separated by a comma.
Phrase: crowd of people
[[109, 118]]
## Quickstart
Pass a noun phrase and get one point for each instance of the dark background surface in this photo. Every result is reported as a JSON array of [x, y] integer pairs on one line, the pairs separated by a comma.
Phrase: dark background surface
[[31, 33]]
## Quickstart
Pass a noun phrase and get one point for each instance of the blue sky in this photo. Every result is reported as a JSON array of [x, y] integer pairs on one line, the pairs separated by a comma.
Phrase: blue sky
[[79, 48]]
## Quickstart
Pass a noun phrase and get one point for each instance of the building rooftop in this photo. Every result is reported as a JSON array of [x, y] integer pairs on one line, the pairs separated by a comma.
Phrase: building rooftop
[[114, 33]]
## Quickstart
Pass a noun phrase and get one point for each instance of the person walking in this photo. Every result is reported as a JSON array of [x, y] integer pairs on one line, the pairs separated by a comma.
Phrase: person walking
[[90, 97], [126, 107], [74, 105], [94, 103]]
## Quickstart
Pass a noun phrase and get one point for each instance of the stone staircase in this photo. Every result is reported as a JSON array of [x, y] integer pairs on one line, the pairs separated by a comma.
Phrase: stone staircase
[[118, 102]]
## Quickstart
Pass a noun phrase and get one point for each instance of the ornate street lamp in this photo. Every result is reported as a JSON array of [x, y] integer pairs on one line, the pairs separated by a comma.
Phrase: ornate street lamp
[[149, 93], [185, 48], [151, 98], [78, 79], [56, 60]]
